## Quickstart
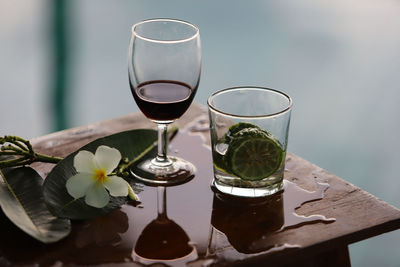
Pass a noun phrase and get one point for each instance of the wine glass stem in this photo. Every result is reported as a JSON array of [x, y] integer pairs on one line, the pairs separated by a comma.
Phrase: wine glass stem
[[162, 160], [162, 203]]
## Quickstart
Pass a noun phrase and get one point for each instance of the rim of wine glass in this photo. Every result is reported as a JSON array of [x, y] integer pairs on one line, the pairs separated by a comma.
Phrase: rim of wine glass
[[287, 108], [166, 41]]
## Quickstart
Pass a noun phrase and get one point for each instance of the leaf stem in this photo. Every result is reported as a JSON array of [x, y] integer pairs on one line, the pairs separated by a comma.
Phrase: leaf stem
[[14, 162], [47, 159], [23, 150]]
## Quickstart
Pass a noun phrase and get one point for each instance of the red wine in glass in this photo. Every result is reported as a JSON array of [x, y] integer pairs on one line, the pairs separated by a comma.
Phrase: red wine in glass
[[163, 100]]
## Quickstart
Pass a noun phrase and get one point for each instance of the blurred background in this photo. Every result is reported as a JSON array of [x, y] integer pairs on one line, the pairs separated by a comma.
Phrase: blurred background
[[64, 64]]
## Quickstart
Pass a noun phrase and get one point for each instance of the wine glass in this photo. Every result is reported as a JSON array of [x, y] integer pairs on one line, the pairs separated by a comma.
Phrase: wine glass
[[164, 65]]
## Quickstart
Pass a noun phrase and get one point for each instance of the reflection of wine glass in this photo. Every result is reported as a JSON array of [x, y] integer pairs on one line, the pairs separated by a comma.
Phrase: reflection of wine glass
[[248, 224], [164, 73], [162, 240]]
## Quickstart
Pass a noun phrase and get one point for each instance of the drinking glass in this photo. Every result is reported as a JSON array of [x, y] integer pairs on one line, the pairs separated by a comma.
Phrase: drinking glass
[[164, 64], [249, 129]]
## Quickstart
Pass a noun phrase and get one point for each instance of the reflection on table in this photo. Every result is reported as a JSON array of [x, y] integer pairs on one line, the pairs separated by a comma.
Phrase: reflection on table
[[163, 240], [244, 223]]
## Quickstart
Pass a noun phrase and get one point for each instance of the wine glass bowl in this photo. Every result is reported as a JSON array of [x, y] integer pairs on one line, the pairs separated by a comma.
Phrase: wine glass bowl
[[164, 64]]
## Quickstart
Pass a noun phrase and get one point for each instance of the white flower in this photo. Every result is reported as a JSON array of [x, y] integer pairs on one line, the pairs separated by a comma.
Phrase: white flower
[[92, 178]]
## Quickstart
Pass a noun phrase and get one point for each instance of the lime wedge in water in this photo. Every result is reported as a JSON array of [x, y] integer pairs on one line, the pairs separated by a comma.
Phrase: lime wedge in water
[[234, 129], [252, 154]]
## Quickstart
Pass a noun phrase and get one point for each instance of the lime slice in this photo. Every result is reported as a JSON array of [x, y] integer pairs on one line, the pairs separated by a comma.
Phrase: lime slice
[[251, 133], [253, 156], [240, 126], [234, 129]]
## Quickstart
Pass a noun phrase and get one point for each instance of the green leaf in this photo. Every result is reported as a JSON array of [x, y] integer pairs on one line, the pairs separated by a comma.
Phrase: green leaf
[[131, 144], [22, 201]]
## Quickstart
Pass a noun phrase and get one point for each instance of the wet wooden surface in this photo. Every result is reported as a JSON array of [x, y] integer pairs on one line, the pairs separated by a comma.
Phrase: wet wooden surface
[[355, 214]]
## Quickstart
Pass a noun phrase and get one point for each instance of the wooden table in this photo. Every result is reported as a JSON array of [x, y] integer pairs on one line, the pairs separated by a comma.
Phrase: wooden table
[[202, 228]]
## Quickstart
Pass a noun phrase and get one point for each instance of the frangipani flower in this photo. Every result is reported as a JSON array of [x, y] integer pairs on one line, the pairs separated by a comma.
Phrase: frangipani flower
[[92, 178]]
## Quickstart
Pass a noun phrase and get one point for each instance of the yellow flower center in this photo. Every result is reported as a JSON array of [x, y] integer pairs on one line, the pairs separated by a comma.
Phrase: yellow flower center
[[100, 175]]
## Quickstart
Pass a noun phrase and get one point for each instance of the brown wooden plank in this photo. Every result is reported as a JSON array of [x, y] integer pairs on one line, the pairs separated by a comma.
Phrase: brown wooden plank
[[338, 257], [359, 215]]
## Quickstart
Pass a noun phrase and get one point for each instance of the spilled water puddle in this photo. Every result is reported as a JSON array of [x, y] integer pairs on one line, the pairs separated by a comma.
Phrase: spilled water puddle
[[244, 227], [294, 197]]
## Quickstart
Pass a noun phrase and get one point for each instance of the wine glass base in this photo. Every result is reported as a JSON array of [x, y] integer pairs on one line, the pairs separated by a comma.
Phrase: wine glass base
[[179, 172]]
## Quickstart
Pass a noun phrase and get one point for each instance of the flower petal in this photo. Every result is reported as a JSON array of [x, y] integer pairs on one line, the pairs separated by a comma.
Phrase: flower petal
[[78, 184], [97, 196], [84, 162], [107, 158], [117, 186]]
